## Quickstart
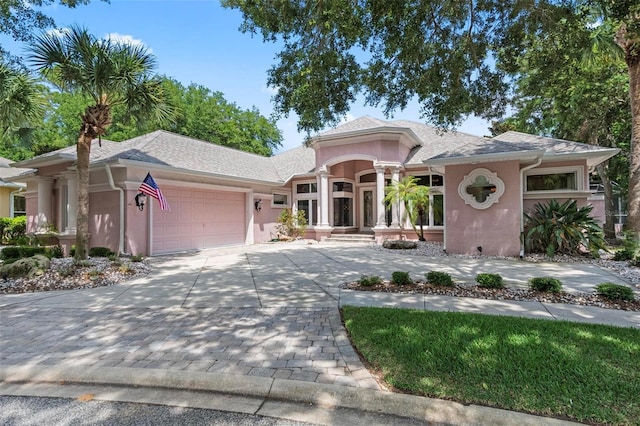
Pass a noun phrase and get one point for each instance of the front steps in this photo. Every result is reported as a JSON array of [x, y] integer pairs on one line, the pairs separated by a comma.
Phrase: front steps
[[351, 238]]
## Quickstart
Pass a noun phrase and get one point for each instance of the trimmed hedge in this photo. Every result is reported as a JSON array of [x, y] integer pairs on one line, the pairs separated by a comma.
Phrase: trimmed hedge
[[489, 280], [401, 278], [439, 278], [615, 291], [549, 284], [100, 252]]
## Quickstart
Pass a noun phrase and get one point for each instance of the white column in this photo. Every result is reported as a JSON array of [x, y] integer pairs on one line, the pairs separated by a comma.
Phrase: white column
[[45, 186], [395, 207], [381, 223], [324, 199], [72, 203], [318, 212]]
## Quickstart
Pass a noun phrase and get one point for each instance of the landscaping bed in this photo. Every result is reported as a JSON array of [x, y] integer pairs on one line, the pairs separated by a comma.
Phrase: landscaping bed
[[470, 290], [67, 274]]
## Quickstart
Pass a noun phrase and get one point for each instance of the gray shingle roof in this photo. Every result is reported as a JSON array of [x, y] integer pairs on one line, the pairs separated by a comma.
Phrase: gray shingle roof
[[296, 161], [7, 172], [516, 142]]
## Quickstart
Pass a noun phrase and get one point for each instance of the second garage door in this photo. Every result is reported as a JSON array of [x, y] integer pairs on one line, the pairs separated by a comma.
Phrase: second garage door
[[198, 219]]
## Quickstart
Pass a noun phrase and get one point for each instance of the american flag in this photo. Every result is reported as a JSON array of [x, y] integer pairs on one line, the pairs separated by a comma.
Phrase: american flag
[[149, 187]]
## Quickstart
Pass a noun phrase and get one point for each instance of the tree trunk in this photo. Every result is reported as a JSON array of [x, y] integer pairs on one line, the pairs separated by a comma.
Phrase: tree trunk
[[421, 236], [633, 219], [609, 209], [82, 215], [631, 50]]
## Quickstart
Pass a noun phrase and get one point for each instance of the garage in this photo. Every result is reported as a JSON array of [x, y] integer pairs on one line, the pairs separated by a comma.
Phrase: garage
[[199, 219]]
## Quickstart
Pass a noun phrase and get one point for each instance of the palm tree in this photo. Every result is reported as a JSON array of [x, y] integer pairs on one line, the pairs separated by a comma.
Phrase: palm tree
[[110, 74], [415, 199], [21, 101]]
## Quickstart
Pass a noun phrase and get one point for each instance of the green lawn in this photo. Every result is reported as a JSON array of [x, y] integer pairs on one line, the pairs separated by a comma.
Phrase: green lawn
[[588, 372]]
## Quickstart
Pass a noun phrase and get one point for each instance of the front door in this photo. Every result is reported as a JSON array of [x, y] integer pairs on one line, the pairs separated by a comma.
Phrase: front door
[[367, 209]]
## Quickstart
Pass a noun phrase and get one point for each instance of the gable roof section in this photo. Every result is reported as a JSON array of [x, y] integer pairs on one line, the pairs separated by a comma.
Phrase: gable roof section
[[296, 161], [524, 147], [7, 172], [171, 150]]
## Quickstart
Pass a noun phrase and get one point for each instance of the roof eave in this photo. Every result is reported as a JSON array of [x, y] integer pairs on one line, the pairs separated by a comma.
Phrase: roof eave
[[486, 158], [220, 176], [324, 139], [50, 160]]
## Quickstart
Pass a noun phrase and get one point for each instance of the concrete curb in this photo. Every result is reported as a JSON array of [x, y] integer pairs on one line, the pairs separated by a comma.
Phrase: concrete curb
[[326, 396]]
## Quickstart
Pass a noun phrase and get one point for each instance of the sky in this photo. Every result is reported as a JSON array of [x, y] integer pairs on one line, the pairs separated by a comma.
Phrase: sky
[[198, 41]]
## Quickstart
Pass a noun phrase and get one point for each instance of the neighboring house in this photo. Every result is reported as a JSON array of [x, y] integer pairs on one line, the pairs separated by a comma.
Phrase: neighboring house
[[220, 196], [12, 202]]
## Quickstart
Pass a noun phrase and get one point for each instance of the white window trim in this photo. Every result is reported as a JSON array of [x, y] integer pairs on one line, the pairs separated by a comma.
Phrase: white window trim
[[432, 191], [469, 179], [300, 195], [578, 170], [281, 206]]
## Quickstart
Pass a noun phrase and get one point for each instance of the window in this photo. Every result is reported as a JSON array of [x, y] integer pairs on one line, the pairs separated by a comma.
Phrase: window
[[481, 188], [436, 199], [310, 208], [280, 200], [436, 206], [19, 206], [552, 182], [368, 178], [342, 186], [306, 188]]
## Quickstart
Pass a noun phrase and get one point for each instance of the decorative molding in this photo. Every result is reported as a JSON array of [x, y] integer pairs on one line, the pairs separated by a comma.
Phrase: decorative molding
[[491, 178]]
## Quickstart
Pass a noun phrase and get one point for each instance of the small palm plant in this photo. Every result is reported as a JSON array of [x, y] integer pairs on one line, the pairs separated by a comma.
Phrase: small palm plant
[[563, 228], [415, 199]]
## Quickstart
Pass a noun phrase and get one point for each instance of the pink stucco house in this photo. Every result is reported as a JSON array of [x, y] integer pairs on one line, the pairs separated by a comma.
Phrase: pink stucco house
[[220, 196]]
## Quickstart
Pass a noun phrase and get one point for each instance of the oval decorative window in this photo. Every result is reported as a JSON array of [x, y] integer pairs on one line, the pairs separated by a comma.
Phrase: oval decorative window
[[481, 188]]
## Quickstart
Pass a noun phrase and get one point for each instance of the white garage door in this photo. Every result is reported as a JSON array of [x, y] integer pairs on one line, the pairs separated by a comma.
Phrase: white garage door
[[198, 219]]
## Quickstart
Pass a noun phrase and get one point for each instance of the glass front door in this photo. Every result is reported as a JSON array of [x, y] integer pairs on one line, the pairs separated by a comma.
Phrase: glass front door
[[367, 208]]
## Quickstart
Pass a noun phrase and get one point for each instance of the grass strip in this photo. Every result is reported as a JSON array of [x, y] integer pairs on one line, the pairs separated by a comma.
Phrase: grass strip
[[586, 372]]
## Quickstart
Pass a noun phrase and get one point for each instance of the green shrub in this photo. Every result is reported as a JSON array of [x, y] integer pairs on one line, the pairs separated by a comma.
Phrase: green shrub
[[401, 278], [292, 225], [489, 280], [54, 252], [82, 263], [615, 291], [16, 229], [635, 262], [72, 251], [369, 280], [439, 278], [563, 228], [125, 268], [549, 284], [10, 253], [113, 257], [21, 252], [100, 252], [135, 258], [624, 254]]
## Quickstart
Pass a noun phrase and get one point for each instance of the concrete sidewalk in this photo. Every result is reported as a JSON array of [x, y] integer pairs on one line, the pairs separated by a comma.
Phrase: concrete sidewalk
[[258, 314]]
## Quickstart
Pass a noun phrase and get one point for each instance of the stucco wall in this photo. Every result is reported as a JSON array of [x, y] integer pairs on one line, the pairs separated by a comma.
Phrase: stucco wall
[[264, 222], [495, 229], [104, 223], [136, 226], [380, 149]]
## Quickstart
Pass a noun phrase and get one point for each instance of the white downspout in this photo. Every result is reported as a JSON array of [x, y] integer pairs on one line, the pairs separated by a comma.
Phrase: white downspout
[[11, 202], [121, 191], [524, 169]]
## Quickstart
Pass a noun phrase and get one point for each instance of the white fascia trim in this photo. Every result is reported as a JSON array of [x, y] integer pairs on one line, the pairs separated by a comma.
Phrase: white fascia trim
[[310, 175], [47, 161], [486, 158], [172, 169], [593, 158], [338, 138]]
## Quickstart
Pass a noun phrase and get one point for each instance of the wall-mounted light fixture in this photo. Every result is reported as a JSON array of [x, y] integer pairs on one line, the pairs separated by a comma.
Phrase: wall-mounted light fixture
[[258, 204], [141, 199]]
